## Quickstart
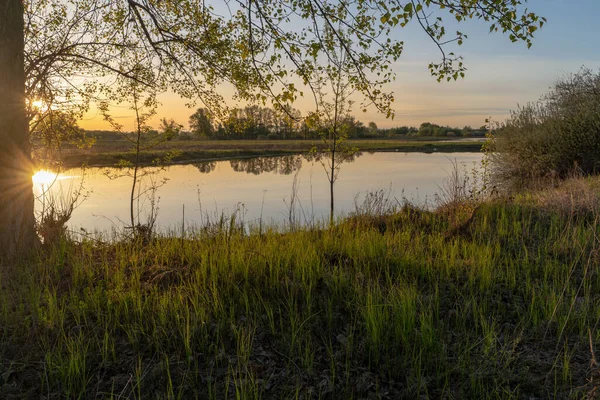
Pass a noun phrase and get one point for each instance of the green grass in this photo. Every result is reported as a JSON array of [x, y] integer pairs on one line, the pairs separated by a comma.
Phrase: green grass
[[400, 306], [108, 153]]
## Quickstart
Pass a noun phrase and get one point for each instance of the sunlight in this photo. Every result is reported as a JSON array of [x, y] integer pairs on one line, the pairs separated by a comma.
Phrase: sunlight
[[39, 105], [44, 177]]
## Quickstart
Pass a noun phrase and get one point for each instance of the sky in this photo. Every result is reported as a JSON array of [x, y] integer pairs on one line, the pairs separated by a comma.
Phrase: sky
[[500, 75]]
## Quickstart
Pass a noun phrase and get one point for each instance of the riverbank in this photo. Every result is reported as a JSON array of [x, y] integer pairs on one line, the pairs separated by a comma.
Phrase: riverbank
[[492, 300], [110, 153]]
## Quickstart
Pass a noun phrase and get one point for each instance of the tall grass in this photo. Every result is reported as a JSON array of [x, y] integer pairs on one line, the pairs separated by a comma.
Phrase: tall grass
[[401, 308]]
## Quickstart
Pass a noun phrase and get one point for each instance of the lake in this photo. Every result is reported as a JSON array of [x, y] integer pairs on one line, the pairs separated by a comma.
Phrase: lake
[[257, 188]]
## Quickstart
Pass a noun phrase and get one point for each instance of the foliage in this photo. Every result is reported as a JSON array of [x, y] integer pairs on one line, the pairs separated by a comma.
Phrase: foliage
[[429, 129], [53, 129], [250, 122], [169, 129], [75, 48], [332, 119], [334, 148], [253, 121], [201, 123], [398, 131], [558, 135], [261, 48], [372, 129]]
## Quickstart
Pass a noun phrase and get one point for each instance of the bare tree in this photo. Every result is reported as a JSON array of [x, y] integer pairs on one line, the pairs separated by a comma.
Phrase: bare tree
[[144, 183], [333, 89]]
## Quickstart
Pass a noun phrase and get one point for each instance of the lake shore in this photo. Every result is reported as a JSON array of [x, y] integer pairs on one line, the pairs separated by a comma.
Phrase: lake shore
[[110, 153], [491, 299], [262, 184]]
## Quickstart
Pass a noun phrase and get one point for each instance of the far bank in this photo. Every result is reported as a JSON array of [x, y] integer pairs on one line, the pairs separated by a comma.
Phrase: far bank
[[112, 153]]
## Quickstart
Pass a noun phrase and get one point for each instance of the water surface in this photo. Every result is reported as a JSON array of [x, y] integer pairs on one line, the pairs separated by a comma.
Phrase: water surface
[[260, 188]]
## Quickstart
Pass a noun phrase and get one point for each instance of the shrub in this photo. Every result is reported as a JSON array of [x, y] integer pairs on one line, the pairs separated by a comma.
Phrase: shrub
[[273, 136], [551, 138]]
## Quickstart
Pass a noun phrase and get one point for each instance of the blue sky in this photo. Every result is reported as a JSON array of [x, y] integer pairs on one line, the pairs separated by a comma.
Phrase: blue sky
[[500, 76]]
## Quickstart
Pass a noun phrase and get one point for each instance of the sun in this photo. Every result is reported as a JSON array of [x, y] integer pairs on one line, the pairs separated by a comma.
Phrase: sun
[[38, 105], [44, 177]]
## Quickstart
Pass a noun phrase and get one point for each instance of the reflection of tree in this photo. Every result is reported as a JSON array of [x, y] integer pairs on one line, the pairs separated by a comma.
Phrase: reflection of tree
[[283, 165], [206, 167], [342, 157]]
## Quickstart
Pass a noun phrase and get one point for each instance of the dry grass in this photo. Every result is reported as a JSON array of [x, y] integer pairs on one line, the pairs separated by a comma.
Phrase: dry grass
[[576, 195]]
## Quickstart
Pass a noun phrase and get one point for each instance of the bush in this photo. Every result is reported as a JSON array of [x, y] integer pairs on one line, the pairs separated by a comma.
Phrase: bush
[[551, 138], [273, 136]]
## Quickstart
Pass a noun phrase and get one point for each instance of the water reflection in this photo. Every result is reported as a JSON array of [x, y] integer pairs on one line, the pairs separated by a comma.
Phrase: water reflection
[[263, 185], [44, 177], [206, 167], [283, 165], [340, 157]]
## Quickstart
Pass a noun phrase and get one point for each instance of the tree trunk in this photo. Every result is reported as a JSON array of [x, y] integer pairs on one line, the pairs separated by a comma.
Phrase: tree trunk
[[17, 231], [331, 203], [331, 183]]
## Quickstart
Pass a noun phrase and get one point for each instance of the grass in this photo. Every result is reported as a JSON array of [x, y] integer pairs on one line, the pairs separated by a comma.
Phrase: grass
[[387, 306], [108, 153]]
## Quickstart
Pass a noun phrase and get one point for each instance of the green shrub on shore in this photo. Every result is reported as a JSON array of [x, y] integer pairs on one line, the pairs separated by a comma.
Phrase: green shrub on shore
[[552, 138], [397, 306]]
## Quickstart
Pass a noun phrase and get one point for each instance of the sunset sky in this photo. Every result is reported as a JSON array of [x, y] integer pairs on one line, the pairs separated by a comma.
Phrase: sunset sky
[[500, 74]]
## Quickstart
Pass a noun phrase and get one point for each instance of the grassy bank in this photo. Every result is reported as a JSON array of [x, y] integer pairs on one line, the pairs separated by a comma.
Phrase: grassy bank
[[500, 300], [110, 152]]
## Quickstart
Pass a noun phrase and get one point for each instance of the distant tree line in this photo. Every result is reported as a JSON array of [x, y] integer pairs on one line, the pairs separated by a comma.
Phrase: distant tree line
[[264, 123], [434, 130], [251, 122], [255, 122]]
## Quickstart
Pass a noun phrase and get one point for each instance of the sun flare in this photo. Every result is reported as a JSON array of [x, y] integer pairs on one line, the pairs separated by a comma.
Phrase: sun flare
[[39, 105], [44, 177]]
